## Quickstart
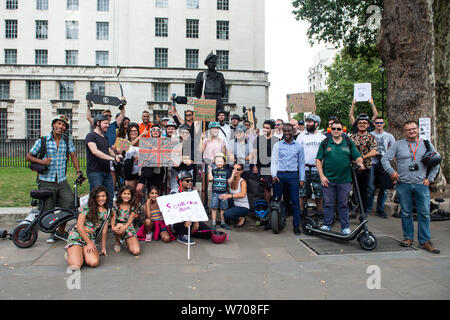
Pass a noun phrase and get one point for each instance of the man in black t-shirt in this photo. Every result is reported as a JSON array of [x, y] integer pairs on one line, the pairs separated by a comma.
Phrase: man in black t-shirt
[[98, 157]]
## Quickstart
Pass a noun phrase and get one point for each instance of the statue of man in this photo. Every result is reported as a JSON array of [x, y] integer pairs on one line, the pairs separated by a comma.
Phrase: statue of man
[[211, 83]]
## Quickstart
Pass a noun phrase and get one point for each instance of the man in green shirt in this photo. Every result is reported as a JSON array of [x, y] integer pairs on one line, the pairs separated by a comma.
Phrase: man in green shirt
[[333, 162]]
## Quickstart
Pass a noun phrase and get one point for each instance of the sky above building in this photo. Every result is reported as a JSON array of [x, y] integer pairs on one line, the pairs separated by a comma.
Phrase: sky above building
[[288, 54]]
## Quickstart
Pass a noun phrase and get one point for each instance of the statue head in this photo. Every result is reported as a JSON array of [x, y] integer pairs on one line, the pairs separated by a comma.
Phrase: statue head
[[211, 61]]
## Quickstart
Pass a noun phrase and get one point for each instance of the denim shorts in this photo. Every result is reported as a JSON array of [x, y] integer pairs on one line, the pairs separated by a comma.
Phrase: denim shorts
[[312, 180], [217, 203]]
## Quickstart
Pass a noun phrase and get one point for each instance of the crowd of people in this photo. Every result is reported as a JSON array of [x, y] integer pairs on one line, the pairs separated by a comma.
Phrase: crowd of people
[[296, 160]]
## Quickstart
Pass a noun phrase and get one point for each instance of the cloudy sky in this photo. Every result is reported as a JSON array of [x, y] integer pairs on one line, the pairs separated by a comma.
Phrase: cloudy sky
[[288, 54]]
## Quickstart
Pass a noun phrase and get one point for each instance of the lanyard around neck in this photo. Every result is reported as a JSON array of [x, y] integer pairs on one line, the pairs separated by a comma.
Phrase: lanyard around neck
[[413, 153]]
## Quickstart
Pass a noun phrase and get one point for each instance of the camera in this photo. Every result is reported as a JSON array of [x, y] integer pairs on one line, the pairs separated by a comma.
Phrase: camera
[[413, 167]]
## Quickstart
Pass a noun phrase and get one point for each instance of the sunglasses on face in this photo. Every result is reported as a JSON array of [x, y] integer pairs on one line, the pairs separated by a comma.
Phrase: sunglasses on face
[[338, 129], [379, 122], [188, 180], [188, 114]]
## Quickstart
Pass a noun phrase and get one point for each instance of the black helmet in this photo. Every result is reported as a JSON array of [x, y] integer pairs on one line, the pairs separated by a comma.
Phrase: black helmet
[[431, 158], [98, 118], [184, 175], [363, 116]]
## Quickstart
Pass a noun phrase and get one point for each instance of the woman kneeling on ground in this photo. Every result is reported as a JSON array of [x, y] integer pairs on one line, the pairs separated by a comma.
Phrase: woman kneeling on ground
[[81, 241], [238, 192]]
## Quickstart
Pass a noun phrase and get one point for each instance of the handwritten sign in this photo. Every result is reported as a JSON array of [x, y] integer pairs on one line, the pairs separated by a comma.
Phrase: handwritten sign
[[425, 128], [159, 152], [362, 91], [180, 207], [204, 110], [301, 102], [122, 145]]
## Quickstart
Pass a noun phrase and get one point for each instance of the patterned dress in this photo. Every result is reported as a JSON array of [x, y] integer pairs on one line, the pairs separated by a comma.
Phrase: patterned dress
[[122, 216], [91, 228]]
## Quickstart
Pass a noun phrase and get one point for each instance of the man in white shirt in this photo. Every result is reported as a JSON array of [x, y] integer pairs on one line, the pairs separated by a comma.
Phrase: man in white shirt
[[310, 140], [225, 130]]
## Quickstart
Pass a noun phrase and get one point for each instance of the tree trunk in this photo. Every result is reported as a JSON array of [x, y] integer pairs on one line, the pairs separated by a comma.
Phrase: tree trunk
[[406, 46]]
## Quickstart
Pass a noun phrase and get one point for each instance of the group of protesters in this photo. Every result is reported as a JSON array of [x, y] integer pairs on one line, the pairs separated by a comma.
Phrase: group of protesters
[[296, 160]]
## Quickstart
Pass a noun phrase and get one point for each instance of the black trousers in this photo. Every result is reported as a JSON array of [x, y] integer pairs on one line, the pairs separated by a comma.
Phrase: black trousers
[[363, 177]]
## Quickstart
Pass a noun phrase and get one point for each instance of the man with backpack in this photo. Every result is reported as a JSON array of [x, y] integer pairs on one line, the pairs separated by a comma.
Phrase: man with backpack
[[333, 162], [51, 154], [417, 167]]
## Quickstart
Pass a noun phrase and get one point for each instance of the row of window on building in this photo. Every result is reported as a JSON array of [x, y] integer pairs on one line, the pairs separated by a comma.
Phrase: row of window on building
[[102, 58], [103, 5]]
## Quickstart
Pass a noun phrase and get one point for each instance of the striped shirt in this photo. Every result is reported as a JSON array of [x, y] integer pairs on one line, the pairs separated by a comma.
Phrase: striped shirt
[[57, 168], [156, 215]]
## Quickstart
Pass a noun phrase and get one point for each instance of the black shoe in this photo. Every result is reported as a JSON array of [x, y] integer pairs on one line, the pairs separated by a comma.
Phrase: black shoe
[[297, 231], [382, 214]]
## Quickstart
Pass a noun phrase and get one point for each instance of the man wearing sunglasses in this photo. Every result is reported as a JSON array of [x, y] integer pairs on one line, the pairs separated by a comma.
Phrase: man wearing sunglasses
[[278, 130], [385, 140]]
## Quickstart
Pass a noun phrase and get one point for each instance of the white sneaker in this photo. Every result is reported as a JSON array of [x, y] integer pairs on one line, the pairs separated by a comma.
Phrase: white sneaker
[[325, 228], [148, 237], [51, 239], [346, 231]]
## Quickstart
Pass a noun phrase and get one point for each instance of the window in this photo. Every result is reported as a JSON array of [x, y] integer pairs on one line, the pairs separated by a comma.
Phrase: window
[[66, 90], [4, 89], [161, 3], [223, 5], [102, 5], [222, 59], [34, 90], [192, 58], [41, 57], [102, 30], [41, 29], [33, 117], [223, 30], [3, 123], [72, 4], [192, 4], [161, 27], [71, 57], [98, 87], [189, 89], [101, 58], [161, 59], [69, 114], [161, 91], [11, 4], [42, 4], [226, 98], [71, 29], [191, 28], [10, 29], [10, 56]]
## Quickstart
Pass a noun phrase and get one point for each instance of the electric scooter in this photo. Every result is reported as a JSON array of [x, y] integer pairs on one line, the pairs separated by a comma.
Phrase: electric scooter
[[366, 239]]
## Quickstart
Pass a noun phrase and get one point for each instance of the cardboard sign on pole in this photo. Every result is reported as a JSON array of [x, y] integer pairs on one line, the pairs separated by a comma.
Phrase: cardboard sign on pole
[[362, 92], [159, 152], [204, 110], [301, 102]]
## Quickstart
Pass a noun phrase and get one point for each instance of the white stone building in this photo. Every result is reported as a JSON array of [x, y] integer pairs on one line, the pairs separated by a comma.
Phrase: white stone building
[[317, 75], [52, 52]]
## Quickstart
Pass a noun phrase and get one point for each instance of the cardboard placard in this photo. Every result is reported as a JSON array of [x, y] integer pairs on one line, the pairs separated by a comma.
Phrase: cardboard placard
[[180, 207], [301, 102], [122, 145], [362, 91], [159, 152], [204, 110]]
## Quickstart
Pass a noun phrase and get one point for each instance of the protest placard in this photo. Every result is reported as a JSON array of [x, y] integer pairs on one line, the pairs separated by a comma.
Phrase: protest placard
[[204, 110], [159, 152], [425, 128], [180, 207], [362, 91], [301, 102], [122, 145]]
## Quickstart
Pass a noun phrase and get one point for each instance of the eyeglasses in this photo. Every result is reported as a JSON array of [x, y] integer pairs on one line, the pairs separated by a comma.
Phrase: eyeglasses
[[412, 129], [278, 124], [338, 129], [155, 129], [379, 122], [134, 130]]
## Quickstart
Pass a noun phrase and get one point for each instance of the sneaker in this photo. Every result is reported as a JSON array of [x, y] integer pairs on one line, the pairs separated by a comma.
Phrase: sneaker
[[184, 239], [61, 236], [51, 238], [223, 225], [213, 226], [346, 231], [325, 228], [148, 237], [382, 214]]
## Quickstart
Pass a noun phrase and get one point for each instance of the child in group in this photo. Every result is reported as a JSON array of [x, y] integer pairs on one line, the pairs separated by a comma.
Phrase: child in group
[[154, 222], [81, 246], [123, 214], [218, 175]]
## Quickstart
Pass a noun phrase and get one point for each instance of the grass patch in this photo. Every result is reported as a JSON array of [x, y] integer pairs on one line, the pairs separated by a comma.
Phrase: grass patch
[[16, 184]]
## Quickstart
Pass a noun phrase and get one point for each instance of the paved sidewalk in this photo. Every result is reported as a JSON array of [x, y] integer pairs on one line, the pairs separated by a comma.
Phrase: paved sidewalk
[[255, 264]]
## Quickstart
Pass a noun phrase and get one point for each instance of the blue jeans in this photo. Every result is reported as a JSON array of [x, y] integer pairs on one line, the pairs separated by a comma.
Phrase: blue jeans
[[291, 179], [339, 192], [235, 213], [371, 194], [421, 195], [102, 179]]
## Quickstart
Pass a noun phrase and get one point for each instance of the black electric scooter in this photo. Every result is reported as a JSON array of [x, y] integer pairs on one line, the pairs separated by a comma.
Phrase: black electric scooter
[[366, 239], [26, 233]]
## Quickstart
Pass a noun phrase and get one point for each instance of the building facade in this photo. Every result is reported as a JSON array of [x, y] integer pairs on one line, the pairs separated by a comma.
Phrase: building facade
[[317, 74], [55, 51]]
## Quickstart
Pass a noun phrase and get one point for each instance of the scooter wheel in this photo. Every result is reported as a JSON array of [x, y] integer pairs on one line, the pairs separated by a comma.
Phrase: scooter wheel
[[275, 221], [22, 238], [307, 225], [367, 242]]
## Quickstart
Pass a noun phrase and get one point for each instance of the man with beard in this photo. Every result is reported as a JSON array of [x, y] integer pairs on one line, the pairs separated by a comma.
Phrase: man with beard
[[310, 141]]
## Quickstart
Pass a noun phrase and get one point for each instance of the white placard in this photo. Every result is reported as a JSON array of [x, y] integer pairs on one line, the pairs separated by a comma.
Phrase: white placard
[[425, 128], [362, 91], [184, 206]]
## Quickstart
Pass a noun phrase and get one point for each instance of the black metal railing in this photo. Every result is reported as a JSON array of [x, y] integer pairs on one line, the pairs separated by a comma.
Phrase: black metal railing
[[14, 151]]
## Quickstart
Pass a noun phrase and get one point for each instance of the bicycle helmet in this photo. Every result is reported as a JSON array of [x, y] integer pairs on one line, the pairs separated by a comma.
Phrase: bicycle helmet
[[171, 123], [213, 125], [261, 209], [431, 158], [218, 237], [221, 155], [100, 118], [184, 175], [63, 118], [363, 116], [314, 118], [184, 127]]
